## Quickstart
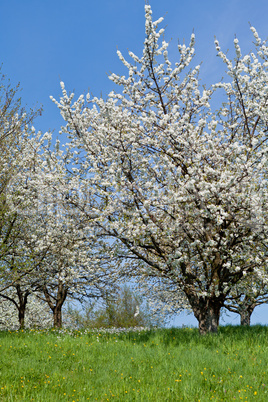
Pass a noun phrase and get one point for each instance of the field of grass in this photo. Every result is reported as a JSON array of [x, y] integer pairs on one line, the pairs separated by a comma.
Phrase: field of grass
[[157, 365]]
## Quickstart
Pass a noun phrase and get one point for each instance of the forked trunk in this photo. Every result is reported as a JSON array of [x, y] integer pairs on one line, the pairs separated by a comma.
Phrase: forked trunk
[[56, 303]]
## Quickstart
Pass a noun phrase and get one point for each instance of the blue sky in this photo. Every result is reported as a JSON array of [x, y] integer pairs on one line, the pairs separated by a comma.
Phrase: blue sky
[[43, 42]]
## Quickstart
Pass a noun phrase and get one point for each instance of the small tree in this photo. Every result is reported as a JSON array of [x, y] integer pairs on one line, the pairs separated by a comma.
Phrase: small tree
[[246, 297], [125, 310], [36, 314]]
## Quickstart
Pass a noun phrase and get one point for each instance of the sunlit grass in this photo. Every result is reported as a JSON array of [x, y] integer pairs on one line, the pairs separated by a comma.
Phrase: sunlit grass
[[161, 365]]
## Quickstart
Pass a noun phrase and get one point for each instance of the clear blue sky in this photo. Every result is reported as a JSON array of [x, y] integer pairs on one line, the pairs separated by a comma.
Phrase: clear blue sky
[[43, 42]]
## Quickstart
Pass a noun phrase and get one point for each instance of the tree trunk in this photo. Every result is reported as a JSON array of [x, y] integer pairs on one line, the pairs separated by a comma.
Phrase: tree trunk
[[245, 316], [55, 302], [22, 309], [208, 319], [57, 317], [207, 312], [23, 299]]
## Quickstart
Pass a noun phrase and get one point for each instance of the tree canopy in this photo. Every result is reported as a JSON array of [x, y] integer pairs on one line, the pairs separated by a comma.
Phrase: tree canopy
[[180, 188], [159, 184]]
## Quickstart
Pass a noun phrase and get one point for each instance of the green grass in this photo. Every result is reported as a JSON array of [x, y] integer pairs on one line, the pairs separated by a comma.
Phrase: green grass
[[161, 365]]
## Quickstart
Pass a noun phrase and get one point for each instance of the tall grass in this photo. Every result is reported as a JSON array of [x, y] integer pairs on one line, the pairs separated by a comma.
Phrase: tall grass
[[157, 365]]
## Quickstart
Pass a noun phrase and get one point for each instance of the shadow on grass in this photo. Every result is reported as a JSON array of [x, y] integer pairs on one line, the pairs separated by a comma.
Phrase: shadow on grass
[[169, 336], [187, 336]]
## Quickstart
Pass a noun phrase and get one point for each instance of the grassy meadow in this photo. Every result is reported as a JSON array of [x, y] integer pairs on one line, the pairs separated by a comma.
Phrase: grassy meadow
[[153, 365]]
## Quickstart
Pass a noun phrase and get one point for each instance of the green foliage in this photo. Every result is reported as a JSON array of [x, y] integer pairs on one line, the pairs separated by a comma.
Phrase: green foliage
[[156, 365], [125, 311]]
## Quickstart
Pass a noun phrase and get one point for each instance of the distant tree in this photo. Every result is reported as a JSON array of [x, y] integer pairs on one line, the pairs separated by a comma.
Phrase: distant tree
[[246, 297], [126, 309], [37, 313], [19, 298]]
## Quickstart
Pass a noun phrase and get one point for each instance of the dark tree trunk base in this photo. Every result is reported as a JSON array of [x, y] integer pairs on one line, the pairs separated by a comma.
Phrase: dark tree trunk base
[[207, 312], [22, 316], [57, 318]]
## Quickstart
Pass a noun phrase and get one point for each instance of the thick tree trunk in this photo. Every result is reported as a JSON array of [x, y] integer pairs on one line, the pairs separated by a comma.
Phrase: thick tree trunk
[[207, 312], [208, 319]]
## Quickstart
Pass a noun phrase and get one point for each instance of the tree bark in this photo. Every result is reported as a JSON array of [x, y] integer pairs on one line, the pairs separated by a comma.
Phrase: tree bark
[[57, 317], [59, 299], [23, 299], [22, 310], [208, 319], [207, 312], [244, 308], [245, 316]]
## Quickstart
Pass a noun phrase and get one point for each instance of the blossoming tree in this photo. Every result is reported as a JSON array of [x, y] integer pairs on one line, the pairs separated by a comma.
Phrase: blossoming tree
[[246, 296], [75, 263], [44, 248], [181, 189], [17, 158], [19, 146]]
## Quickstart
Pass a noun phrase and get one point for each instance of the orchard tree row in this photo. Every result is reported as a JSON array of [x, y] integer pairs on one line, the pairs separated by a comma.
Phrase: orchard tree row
[[155, 184]]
